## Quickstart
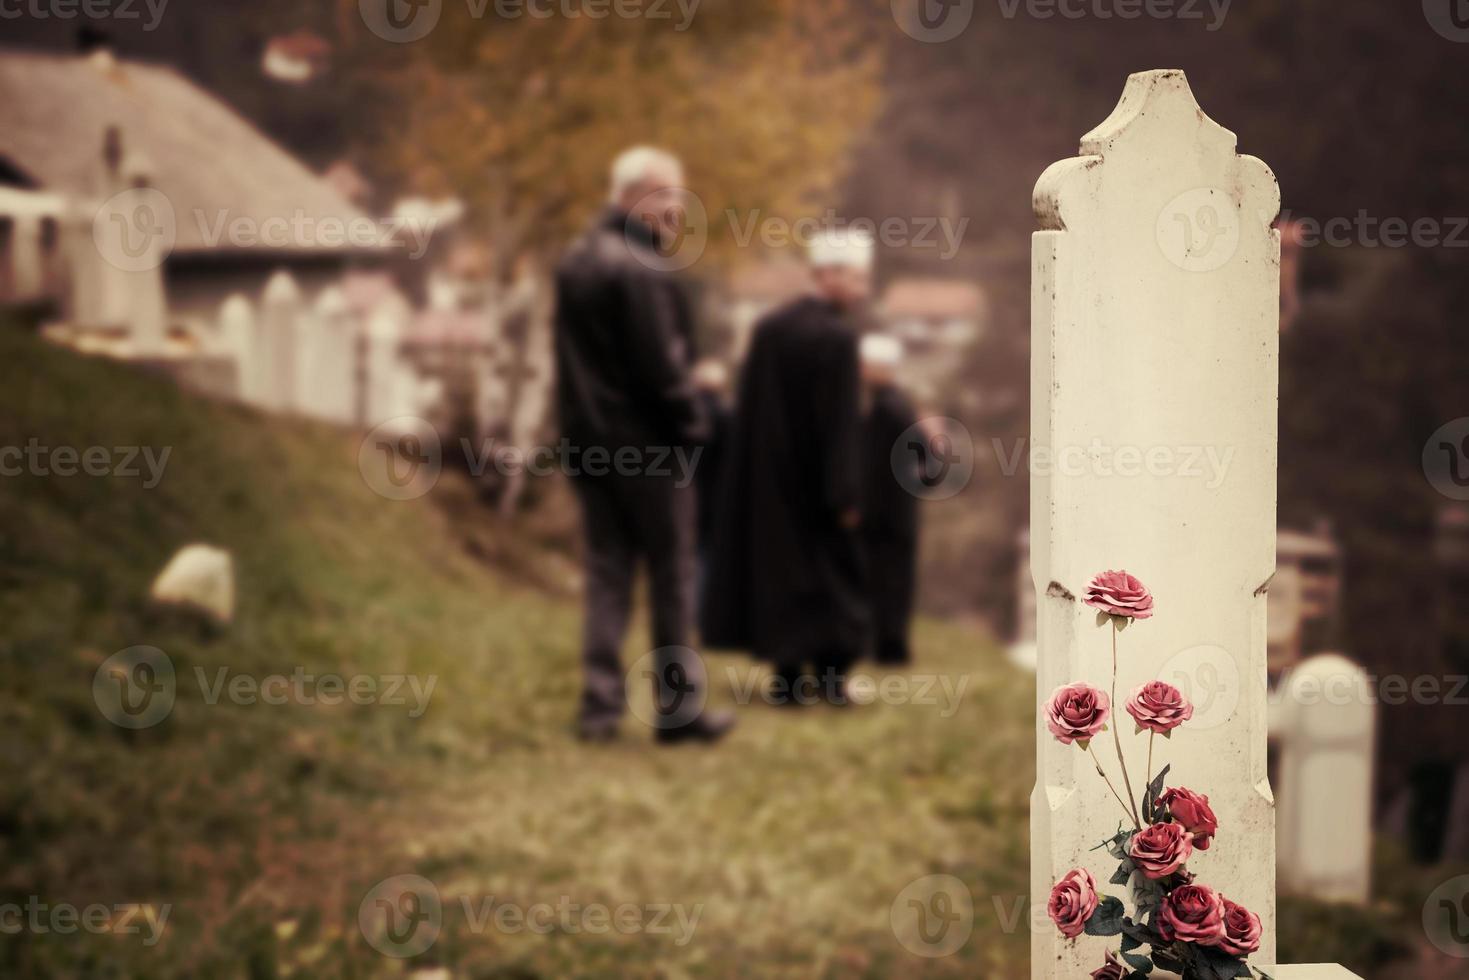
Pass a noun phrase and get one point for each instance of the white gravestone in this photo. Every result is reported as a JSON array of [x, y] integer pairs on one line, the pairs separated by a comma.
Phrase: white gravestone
[[384, 376], [276, 351], [326, 379], [1155, 305], [237, 338], [1324, 721]]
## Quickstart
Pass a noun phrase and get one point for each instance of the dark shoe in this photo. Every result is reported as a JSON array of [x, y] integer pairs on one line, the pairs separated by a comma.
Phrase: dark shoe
[[708, 727], [596, 731]]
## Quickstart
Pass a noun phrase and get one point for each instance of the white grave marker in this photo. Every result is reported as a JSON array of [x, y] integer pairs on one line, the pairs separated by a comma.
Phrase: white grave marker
[[275, 363], [1325, 723], [1155, 305], [326, 382], [237, 336]]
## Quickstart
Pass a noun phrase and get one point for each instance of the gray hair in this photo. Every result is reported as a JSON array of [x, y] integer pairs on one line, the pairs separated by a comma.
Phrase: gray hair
[[633, 167]]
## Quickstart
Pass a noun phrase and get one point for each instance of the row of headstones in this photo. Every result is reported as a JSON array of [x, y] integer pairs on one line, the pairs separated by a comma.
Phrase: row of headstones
[[321, 359]]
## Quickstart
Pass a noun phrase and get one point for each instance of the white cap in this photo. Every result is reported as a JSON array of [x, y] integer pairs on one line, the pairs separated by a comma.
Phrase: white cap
[[880, 349], [842, 247]]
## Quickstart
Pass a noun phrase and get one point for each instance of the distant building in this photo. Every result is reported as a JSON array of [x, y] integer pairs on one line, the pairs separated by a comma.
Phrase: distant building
[[296, 58], [103, 160], [937, 320]]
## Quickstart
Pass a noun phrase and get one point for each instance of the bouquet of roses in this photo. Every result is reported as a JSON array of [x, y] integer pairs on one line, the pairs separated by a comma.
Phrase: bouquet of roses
[[1188, 928]]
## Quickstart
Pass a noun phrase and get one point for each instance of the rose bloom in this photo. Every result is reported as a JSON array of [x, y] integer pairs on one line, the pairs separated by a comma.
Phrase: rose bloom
[[1111, 970], [1192, 810], [1073, 901], [1159, 707], [1077, 711], [1194, 914], [1161, 849], [1119, 594], [1241, 930]]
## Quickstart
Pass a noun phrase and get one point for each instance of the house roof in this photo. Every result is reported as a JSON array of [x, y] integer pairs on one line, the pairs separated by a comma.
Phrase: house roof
[[55, 111]]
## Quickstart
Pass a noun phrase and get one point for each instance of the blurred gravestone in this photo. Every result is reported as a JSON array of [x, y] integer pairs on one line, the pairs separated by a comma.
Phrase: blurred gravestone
[[1324, 721], [1155, 327], [327, 379], [383, 373], [276, 352], [237, 335]]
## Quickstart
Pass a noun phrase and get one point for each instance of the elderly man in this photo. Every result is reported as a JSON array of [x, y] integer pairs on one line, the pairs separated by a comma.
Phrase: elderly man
[[623, 350], [787, 580]]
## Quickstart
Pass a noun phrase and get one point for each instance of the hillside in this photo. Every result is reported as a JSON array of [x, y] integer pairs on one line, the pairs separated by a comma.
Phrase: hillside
[[251, 832]]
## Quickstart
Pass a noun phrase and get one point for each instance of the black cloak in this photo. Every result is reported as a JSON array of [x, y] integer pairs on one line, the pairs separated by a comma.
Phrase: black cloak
[[787, 579]]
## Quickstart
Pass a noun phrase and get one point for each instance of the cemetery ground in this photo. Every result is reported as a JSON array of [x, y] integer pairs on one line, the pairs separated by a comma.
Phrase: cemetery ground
[[257, 829]]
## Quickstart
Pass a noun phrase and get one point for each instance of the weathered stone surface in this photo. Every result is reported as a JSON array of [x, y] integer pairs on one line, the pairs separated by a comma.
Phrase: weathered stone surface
[[1154, 378]]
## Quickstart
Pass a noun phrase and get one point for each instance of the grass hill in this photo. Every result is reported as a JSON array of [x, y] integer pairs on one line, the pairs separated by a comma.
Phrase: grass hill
[[257, 829]]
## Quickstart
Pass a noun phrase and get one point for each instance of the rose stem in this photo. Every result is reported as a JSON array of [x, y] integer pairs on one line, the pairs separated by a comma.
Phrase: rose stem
[[1100, 772], [1117, 737]]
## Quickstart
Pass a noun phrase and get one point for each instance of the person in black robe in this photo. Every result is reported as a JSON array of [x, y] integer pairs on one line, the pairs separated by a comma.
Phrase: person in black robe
[[787, 581], [890, 511]]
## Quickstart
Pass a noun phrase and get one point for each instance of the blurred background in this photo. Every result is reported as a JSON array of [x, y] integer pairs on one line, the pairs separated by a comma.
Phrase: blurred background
[[234, 238]]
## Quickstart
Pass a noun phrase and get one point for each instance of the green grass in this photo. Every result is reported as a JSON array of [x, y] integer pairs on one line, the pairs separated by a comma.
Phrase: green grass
[[260, 828]]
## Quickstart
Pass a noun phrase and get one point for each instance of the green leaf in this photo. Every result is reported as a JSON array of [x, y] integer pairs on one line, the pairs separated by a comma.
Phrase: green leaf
[[1123, 873], [1140, 964], [1123, 622], [1130, 942], [1155, 790], [1102, 618], [1107, 919]]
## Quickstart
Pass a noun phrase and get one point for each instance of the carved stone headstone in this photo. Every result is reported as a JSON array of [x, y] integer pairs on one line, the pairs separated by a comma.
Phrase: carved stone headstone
[[237, 336], [276, 351], [1155, 305], [326, 379], [383, 380], [1325, 721]]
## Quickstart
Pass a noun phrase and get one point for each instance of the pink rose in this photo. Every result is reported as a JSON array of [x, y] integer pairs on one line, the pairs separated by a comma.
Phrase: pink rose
[[1161, 849], [1073, 901], [1192, 913], [1241, 930], [1077, 712], [1119, 594], [1159, 707], [1192, 810], [1110, 970]]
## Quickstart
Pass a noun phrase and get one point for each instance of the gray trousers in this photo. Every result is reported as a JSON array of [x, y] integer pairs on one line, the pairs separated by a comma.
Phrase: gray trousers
[[628, 519]]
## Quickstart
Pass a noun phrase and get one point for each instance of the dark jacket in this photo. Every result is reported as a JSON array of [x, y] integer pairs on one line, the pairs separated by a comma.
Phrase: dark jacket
[[623, 342]]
